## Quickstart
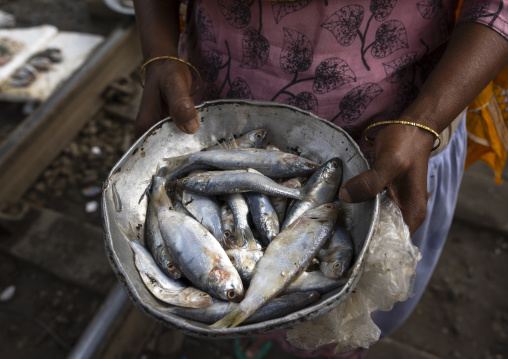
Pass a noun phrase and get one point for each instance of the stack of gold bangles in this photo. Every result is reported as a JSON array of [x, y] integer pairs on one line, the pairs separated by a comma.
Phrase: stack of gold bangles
[[170, 58], [438, 138]]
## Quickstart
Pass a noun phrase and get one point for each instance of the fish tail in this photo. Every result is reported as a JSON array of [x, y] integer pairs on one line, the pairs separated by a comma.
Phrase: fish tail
[[159, 172], [232, 319]]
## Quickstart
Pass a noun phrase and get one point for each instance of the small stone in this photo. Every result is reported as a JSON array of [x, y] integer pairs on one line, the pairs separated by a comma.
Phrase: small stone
[[91, 206]]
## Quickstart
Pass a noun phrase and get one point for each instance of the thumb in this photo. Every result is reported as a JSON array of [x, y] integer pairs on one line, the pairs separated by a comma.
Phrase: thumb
[[368, 184], [181, 106]]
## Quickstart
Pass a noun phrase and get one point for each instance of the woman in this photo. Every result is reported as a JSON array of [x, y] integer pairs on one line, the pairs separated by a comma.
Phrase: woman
[[355, 63]]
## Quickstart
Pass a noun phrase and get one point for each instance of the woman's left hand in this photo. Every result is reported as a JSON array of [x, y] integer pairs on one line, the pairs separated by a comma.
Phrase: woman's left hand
[[401, 157]]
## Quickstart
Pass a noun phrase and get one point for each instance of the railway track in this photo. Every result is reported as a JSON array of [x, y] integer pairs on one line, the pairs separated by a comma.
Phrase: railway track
[[26, 153]]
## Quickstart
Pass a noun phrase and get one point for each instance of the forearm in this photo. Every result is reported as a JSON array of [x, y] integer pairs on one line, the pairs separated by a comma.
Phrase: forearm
[[472, 59], [158, 26]]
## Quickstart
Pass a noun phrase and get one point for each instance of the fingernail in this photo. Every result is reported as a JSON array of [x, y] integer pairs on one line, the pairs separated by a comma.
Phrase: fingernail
[[191, 127], [344, 195]]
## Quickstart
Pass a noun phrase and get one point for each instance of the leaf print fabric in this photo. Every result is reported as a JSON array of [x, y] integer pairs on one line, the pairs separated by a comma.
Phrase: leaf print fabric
[[283, 8], [255, 49], [332, 73], [349, 62], [236, 12], [381, 9], [390, 37], [345, 23], [297, 53]]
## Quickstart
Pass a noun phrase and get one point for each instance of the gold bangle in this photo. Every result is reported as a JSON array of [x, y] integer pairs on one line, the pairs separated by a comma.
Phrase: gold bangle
[[170, 58], [403, 123]]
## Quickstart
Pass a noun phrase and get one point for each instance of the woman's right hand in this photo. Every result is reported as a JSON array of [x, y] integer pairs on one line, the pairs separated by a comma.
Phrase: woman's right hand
[[166, 93]]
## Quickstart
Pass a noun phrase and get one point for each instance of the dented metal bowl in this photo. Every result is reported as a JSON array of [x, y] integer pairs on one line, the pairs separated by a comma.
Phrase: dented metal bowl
[[290, 129]]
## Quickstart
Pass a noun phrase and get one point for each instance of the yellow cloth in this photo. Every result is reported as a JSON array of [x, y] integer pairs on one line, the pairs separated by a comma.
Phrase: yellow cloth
[[487, 126], [487, 123]]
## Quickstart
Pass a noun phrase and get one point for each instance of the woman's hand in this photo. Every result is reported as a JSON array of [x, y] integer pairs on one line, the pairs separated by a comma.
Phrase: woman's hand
[[166, 93], [401, 157]]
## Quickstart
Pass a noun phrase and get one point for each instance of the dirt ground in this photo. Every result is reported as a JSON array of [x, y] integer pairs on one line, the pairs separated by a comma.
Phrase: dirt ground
[[463, 314]]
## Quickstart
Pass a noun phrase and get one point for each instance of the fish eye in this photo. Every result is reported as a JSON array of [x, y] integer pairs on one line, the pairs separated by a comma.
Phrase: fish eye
[[335, 164], [227, 233], [258, 136], [171, 266], [185, 180], [308, 164], [328, 206], [232, 259], [337, 265], [203, 294], [231, 294]]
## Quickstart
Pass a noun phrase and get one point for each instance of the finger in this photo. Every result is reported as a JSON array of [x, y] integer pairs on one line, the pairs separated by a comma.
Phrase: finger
[[150, 110], [181, 106], [368, 184], [410, 194]]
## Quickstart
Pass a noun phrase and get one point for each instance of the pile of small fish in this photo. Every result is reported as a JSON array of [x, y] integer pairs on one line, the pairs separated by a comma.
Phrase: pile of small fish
[[224, 244], [40, 62]]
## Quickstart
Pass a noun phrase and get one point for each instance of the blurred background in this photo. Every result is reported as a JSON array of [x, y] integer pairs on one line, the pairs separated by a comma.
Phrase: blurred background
[[67, 117]]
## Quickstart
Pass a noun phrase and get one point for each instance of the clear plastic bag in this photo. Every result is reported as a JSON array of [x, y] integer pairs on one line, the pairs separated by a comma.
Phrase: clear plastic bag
[[388, 277]]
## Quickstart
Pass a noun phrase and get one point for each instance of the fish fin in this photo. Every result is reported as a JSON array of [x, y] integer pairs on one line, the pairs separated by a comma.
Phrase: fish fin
[[232, 319], [175, 163], [232, 143], [252, 170]]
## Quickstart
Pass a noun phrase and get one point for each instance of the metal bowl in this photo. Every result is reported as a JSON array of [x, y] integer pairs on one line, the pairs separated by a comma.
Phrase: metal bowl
[[290, 129]]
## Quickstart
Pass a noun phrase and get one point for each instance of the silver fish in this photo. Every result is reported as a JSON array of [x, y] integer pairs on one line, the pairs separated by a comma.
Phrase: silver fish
[[206, 210], [270, 163], [153, 236], [197, 253], [336, 255], [321, 188], [276, 308], [242, 232], [244, 260], [228, 220], [179, 207], [264, 216], [252, 139], [227, 182], [280, 203], [314, 281], [162, 287], [299, 243]]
